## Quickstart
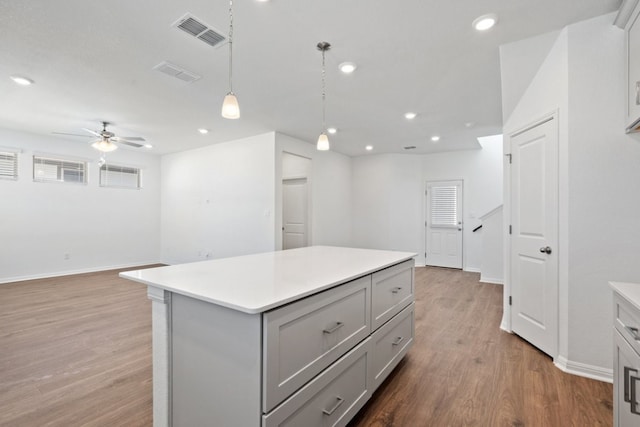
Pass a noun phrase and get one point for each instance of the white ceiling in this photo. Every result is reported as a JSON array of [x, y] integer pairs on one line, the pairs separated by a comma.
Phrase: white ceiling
[[93, 60]]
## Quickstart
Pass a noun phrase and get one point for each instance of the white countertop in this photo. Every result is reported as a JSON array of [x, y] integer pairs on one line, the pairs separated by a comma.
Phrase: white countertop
[[629, 291], [260, 282]]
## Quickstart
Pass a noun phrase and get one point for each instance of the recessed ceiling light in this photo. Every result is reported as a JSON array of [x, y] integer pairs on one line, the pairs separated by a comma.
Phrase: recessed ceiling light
[[435, 138], [369, 147], [148, 146], [410, 115], [332, 130], [23, 81], [347, 67], [203, 131], [484, 22], [469, 125]]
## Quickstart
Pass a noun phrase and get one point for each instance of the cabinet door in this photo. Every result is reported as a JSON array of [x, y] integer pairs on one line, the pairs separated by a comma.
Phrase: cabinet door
[[626, 389], [633, 67]]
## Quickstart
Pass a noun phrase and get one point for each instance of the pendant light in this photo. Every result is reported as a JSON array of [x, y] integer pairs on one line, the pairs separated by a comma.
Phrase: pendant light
[[230, 107], [323, 139]]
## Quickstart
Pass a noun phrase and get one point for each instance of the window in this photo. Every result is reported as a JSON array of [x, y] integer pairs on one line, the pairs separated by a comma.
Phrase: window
[[8, 165], [119, 176], [58, 170], [444, 206]]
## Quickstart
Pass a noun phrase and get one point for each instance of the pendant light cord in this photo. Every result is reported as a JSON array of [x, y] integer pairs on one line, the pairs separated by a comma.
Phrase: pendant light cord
[[323, 94], [230, 45]]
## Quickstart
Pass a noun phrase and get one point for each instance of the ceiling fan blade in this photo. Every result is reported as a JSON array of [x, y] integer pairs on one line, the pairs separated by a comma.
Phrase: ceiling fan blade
[[70, 134], [92, 132], [130, 144], [128, 138]]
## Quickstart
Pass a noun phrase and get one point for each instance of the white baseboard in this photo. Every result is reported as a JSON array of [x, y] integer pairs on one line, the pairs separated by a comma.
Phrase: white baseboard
[[491, 280], [72, 272], [471, 269], [583, 370]]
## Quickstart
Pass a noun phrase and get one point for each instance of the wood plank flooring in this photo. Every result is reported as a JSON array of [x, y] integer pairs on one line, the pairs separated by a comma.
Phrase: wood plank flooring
[[464, 371], [76, 351]]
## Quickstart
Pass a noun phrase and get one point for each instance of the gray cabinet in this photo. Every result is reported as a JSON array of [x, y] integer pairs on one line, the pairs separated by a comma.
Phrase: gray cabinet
[[626, 361]]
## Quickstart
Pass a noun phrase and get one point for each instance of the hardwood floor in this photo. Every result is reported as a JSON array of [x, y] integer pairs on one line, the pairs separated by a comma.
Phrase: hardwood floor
[[464, 371], [76, 351]]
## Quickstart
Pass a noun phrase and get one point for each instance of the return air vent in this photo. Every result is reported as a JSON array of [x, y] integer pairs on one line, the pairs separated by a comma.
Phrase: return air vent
[[178, 72], [196, 28]]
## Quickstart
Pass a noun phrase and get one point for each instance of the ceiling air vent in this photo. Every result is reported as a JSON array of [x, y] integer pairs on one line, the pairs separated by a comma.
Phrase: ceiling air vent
[[410, 147], [196, 28], [175, 71]]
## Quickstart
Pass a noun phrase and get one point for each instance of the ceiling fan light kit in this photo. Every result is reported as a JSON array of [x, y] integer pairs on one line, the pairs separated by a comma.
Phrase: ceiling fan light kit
[[104, 145]]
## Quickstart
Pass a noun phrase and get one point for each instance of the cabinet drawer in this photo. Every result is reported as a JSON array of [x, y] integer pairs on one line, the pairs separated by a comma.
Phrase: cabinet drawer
[[332, 398], [391, 291], [390, 343], [303, 338], [626, 377], [627, 321]]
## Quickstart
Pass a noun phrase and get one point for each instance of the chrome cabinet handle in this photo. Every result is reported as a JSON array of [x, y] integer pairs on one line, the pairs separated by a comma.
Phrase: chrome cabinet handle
[[545, 250], [396, 290], [634, 402], [397, 341], [633, 332], [339, 401], [335, 328], [627, 374], [638, 92]]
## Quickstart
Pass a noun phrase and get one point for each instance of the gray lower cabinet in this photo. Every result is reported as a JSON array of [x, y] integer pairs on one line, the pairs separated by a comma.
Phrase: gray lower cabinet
[[312, 362], [626, 363]]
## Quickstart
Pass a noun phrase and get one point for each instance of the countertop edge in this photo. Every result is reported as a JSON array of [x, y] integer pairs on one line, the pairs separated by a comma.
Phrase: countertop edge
[[129, 275]]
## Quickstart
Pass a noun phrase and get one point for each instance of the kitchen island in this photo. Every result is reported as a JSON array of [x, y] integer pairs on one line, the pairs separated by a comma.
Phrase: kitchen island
[[297, 337]]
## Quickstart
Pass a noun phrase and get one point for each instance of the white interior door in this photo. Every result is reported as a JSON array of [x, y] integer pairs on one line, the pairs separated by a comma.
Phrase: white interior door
[[294, 213], [444, 224], [534, 239]]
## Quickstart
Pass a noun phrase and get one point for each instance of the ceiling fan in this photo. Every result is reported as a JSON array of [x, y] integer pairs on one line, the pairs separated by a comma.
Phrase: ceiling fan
[[108, 141]]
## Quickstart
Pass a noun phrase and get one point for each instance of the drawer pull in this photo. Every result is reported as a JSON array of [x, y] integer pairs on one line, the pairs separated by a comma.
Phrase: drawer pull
[[633, 331], [627, 372], [335, 328], [396, 290], [397, 341], [339, 401], [634, 402]]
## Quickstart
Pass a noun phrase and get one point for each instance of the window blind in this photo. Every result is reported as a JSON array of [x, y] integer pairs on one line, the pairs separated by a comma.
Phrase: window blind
[[444, 206], [8, 165], [58, 170], [119, 176]]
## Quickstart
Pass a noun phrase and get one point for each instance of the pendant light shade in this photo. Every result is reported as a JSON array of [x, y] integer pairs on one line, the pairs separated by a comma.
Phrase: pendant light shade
[[104, 145], [323, 142], [230, 106], [323, 139]]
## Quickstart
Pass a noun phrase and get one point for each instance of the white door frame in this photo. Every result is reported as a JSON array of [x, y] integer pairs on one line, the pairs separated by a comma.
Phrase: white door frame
[[506, 316], [426, 216], [308, 219]]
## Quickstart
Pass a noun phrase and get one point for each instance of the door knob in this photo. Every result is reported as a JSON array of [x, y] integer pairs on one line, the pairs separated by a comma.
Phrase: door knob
[[545, 250]]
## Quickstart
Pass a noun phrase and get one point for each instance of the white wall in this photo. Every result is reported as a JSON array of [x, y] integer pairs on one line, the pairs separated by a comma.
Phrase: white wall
[[583, 77], [100, 228], [604, 172], [389, 201], [218, 201], [330, 192], [492, 234]]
